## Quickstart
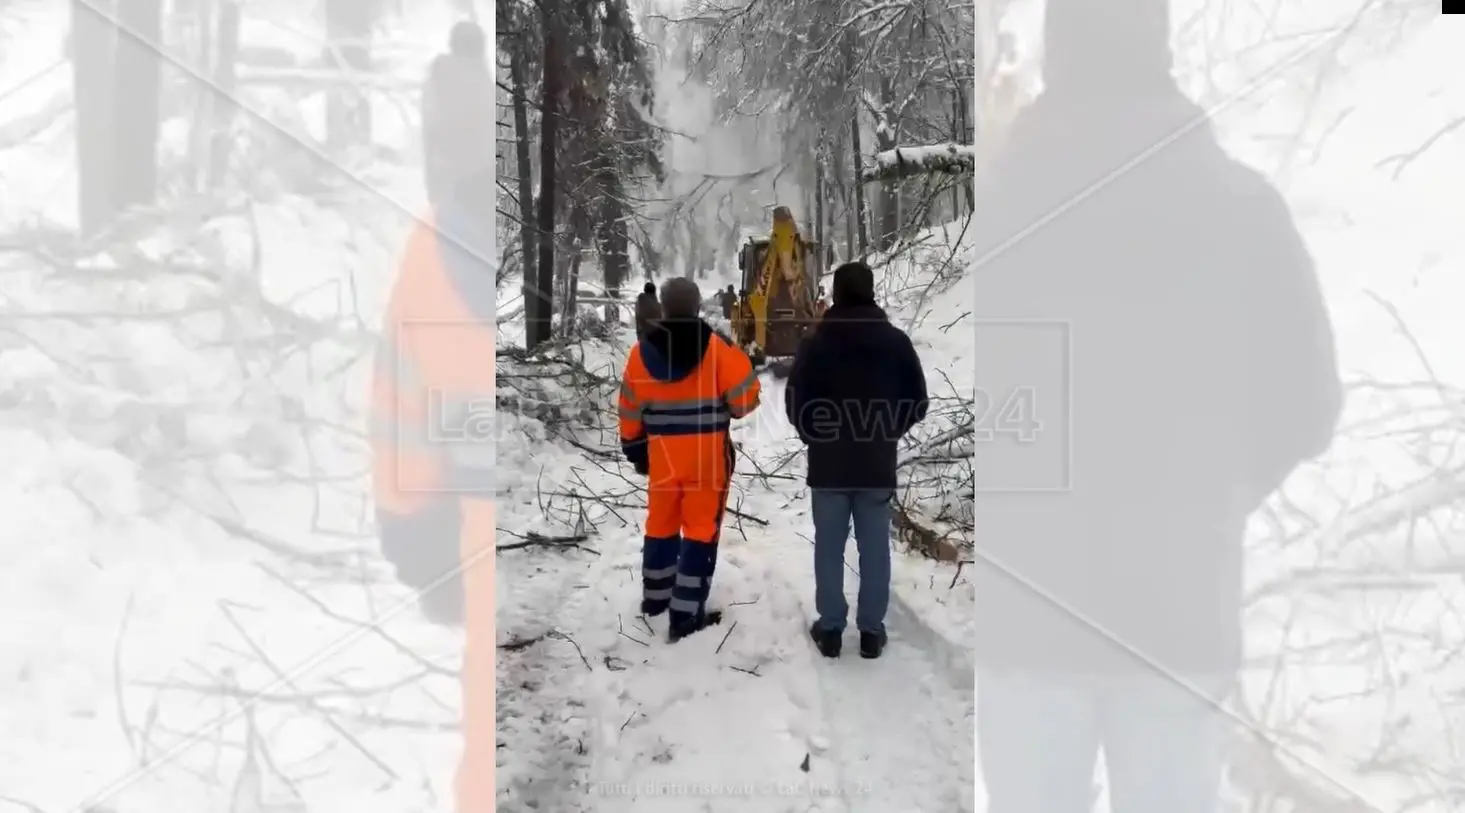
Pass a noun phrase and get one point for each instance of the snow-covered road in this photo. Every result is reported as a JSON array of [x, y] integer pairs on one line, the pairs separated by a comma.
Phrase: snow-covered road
[[744, 716]]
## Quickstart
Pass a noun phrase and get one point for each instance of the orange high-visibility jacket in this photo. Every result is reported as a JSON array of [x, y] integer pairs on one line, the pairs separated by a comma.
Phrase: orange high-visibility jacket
[[681, 388], [432, 444]]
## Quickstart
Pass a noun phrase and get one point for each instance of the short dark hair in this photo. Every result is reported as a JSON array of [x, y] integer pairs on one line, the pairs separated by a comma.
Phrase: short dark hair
[[649, 288], [854, 284], [467, 39], [680, 299]]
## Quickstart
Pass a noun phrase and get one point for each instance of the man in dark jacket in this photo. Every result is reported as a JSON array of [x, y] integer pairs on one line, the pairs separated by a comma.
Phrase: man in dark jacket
[[648, 309], [1147, 308], [728, 300], [855, 390], [457, 113]]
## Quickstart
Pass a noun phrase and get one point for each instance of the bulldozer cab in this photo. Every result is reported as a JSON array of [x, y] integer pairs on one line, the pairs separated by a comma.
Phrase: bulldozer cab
[[775, 324]]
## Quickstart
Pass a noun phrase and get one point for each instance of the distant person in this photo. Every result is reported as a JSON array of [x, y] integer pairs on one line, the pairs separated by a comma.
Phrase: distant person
[[728, 300], [820, 304], [681, 389], [648, 309], [1146, 305], [856, 388], [457, 112]]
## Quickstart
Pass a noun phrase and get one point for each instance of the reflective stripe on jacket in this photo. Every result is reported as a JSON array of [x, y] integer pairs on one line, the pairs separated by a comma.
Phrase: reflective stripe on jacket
[[682, 386]]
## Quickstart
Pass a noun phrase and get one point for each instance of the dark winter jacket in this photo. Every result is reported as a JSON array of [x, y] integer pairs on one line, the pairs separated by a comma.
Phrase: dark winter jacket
[[728, 302], [648, 310], [457, 123], [1162, 333], [855, 390]]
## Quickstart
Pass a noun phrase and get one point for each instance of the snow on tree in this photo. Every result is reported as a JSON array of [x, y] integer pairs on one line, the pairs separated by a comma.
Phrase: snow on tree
[[903, 162]]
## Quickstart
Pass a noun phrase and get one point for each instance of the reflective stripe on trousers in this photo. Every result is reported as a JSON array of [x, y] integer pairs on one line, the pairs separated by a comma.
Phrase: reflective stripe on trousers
[[659, 557], [693, 580]]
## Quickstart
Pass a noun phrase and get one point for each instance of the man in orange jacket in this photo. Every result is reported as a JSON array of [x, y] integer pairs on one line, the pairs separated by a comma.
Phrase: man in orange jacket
[[433, 448], [682, 387]]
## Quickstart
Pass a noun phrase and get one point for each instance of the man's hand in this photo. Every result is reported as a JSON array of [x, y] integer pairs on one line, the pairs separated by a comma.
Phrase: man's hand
[[637, 451]]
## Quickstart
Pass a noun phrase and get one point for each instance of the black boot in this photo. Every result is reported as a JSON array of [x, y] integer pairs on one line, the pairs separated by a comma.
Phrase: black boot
[[682, 626], [872, 644], [827, 641], [652, 607]]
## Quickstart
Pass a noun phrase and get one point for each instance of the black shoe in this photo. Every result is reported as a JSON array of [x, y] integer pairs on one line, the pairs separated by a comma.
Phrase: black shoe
[[872, 644], [681, 628], [827, 641], [651, 608]]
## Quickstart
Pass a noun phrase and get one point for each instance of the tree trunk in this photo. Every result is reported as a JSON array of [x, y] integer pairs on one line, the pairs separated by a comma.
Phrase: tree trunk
[[572, 291], [221, 125], [539, 327], [612, 239], [138, 85], [519, 80], [617, 259], [199, 134], [348, 110], [862, 238], [93, 40], [819, 198], [886, 138], [842, 184]]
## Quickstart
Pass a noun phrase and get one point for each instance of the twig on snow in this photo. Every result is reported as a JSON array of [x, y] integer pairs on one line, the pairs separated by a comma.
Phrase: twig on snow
[[326, 717], [725, 636]]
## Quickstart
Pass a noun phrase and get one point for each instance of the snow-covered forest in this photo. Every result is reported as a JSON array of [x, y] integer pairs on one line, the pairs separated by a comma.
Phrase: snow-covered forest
[[680, 127], [203, 205]]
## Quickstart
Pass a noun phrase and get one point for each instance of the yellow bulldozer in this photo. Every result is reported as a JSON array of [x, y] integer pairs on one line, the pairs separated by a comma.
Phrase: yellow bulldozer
[[781, 275]]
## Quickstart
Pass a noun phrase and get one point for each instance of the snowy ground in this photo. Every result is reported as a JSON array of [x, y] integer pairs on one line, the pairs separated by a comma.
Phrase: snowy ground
[[744, 716]]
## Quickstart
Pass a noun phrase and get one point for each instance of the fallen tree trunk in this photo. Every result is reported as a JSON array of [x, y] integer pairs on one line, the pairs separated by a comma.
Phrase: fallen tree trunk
[[939, 159]]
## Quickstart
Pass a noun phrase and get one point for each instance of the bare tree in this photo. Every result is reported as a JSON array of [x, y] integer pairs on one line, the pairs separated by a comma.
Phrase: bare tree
[[889, 73], [538, 299], [595, 148], [223, 107], [93, 43], [348, 48], [137, 84], [518, 72]]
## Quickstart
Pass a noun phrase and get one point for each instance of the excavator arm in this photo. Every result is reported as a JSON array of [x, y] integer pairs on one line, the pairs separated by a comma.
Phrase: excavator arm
[[781, 276]]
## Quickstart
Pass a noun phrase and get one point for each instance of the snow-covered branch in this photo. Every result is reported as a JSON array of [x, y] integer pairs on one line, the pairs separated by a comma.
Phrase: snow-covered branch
[[903, 162]]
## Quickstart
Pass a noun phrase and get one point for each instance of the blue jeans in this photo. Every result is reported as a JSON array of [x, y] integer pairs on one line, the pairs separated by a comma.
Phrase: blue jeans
[[834, 513], [1039, 737]]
